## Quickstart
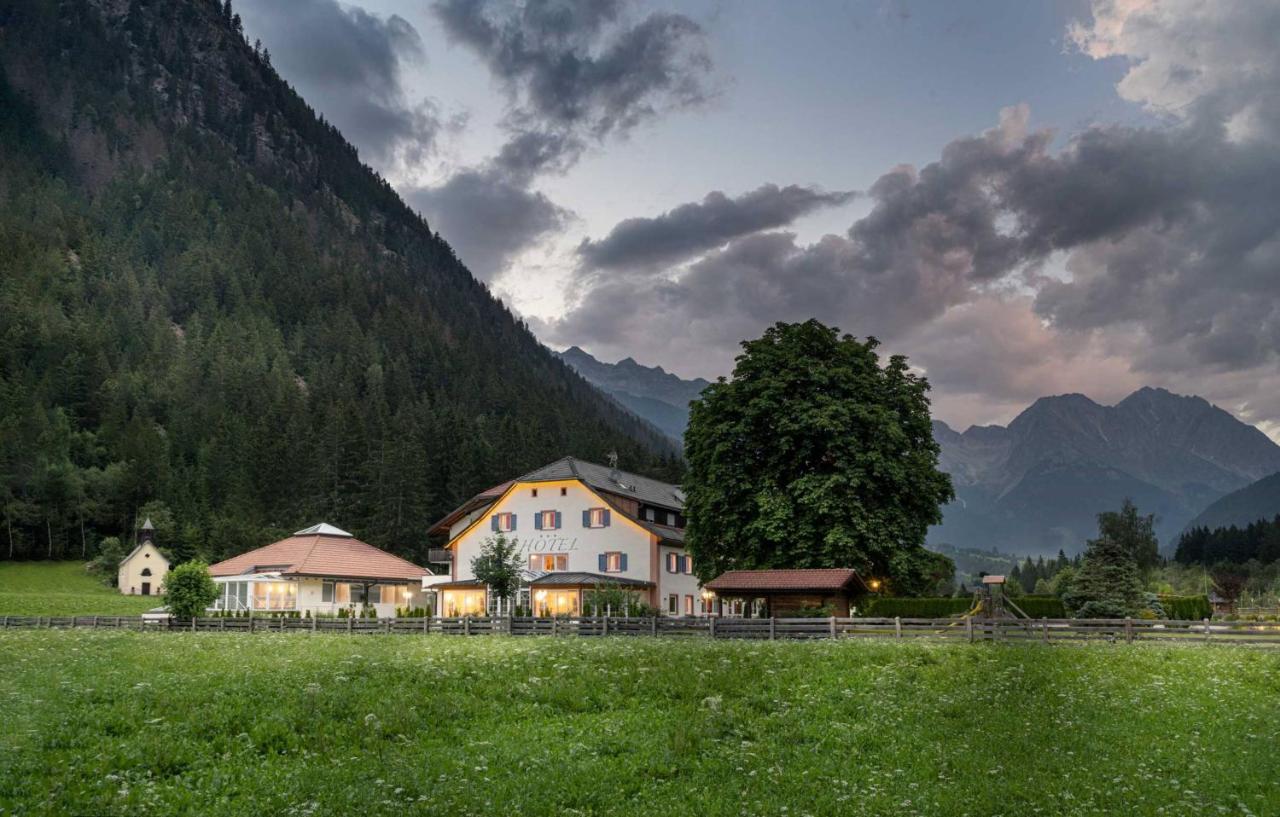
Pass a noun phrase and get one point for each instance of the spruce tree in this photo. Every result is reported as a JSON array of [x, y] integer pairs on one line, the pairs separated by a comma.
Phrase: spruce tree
[[1108, 584]]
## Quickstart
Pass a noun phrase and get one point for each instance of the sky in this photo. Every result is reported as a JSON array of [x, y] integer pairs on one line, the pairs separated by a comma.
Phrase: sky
[[1023, 198]]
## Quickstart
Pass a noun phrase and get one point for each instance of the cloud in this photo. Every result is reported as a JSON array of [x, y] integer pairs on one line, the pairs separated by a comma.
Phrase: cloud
[[696, 227], [487, 217], [575, 73], [581, 67], [349, 64], [1007, 267]]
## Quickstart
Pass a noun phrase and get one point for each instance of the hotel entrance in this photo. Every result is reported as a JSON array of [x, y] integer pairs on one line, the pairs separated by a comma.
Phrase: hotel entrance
[[456, 603], [549, 602]]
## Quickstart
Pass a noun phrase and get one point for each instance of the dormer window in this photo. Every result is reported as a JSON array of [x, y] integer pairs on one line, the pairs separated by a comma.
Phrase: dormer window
[[650, 515]]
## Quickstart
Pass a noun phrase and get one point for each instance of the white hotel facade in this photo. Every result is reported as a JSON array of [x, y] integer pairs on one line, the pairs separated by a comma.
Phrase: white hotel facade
[[579, 526]]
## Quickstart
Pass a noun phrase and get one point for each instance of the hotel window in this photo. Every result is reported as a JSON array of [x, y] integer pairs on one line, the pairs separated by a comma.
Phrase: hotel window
[[673, 562], [673, 604], [548, 562], [502, 522], [613, 562], [326, 593], [688, 605], [533, 492], [547, 520], [564, 492], [688, 564], [595, 518]]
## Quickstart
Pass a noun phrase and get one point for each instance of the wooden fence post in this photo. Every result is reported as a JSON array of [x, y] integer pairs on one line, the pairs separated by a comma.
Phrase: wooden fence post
[[968, 627], [1206, 630], [653, 626], [1128, 631], [773, 628], [831, 623], [606, 625], [1044, 627], [711, 626], [897, 626], [314, 623], [351, 623], [426, 624], [466, 625], [555, 629], [193, 624], [251, 623]]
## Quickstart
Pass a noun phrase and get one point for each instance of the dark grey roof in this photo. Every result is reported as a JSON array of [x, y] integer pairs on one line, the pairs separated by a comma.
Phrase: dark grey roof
[[602, 478], [665, 533], [574, 577]]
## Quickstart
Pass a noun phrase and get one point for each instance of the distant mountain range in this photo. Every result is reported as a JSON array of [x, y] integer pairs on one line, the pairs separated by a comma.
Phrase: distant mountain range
[[1261, 500], [1037, 485], [651, 392]]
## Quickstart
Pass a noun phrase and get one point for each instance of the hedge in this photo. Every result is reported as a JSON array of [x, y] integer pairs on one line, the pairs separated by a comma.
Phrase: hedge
[[1041, 606], [1033, 606], [1186, 608], [903, 607]]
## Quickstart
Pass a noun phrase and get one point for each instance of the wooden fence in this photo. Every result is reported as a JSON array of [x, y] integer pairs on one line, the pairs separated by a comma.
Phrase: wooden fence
[[969, 629]]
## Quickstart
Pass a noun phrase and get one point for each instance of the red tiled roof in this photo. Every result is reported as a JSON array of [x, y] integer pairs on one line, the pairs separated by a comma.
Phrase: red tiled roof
[[782, 580], [321, 555]]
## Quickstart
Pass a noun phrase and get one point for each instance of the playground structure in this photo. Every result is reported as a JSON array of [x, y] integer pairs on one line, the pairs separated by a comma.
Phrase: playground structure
[[990, 601]]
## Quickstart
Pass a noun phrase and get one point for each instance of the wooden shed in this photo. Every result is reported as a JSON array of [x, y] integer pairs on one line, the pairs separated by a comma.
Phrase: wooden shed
[[789, 591]]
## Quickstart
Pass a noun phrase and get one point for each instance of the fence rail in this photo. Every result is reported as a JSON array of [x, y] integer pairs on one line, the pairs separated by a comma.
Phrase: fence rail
[[965, 629]]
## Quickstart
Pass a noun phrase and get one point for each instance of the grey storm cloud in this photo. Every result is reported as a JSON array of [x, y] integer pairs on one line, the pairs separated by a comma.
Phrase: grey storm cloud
[[1169, 237], [696, 227], [575, 73], [487, 217], [349, 64], [581, 66]]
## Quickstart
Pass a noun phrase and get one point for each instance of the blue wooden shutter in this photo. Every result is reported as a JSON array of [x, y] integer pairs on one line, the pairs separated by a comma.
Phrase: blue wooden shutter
[[513, 521], [606, 517], [537, 521], [604, 562], [493, 523], [622, 562], [559, 521], [586, 518], [684, 564]]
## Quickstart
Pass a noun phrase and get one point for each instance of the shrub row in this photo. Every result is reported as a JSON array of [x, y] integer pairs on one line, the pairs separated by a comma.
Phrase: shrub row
[[902, 607], [1186, 608], [1033, 606]]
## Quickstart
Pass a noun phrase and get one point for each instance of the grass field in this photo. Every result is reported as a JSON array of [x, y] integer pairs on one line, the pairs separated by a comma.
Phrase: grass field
[[63, 589], [181, 723]]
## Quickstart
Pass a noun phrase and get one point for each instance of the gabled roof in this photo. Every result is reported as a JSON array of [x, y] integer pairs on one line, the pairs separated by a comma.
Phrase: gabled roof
[[320, 553], [485, 497], [140, 546], [773, 581], [603, 478]]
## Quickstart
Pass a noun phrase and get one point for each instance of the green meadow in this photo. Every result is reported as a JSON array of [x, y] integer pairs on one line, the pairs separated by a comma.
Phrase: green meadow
[[136, 723], [63, 589]]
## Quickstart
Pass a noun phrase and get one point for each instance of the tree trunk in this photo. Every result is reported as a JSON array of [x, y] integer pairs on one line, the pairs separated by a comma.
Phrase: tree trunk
[[48, 530], [9, 521]]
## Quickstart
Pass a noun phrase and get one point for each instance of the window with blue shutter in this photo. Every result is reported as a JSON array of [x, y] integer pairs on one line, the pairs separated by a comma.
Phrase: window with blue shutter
[[558, 520], [605, 524], [604, 562], [537, 521], [586, 518], [493, 523], [513, 521], [623, 566]]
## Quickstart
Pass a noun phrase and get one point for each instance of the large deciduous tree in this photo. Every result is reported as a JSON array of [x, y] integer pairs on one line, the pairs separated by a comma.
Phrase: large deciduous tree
[[816, 455], [499, 565]]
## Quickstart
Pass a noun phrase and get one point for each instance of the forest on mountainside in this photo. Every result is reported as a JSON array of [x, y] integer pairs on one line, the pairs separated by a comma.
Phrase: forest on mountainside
[[210, 307]]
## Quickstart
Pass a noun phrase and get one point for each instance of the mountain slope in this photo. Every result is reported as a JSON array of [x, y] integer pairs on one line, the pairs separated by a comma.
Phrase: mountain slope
[[1038, 485], [651, 392], [1261, 500], [210, 302]]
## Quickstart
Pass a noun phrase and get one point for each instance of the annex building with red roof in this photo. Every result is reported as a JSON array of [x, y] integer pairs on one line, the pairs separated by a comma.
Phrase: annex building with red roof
[[319, 570]]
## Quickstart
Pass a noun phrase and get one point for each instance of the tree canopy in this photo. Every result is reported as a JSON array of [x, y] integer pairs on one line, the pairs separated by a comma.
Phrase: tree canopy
[[498, 565], [813, 454], [1108, 583], [189, 589]]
